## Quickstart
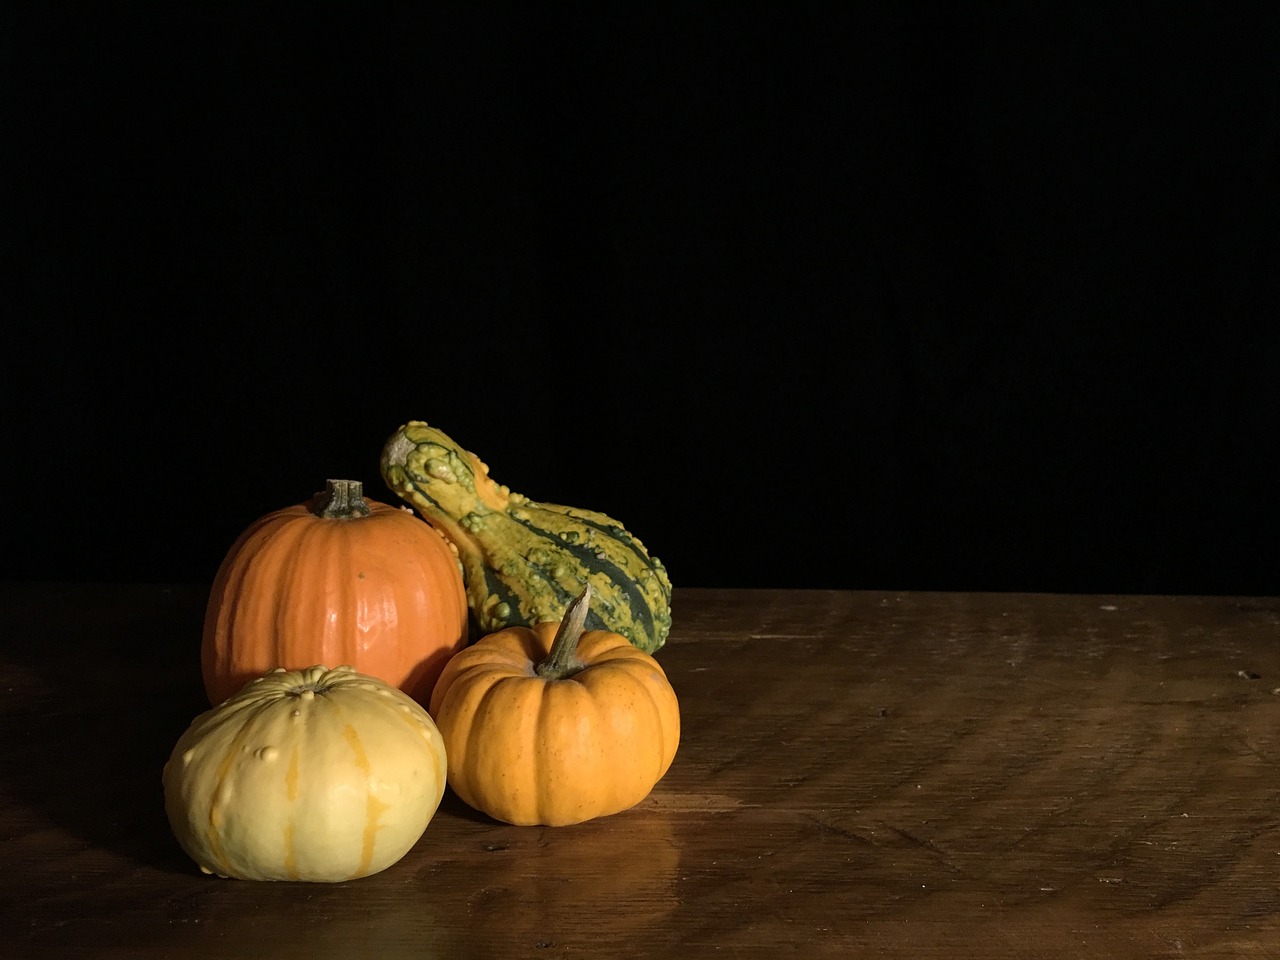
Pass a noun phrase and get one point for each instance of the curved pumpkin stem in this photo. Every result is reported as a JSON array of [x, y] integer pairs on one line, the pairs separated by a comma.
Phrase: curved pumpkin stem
[[341, 500], [563, 662]]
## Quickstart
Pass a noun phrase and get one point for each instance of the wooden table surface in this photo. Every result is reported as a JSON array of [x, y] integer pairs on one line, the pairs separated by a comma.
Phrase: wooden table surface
[[861, 774]]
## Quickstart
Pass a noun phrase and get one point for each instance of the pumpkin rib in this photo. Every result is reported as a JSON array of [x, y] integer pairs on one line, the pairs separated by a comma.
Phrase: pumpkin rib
[[365, 598], [343, 603], [541, 765], [615, 687], [646, 691], [501, 705], [601, 646], [565, 748], [280, 562], [462, 762]]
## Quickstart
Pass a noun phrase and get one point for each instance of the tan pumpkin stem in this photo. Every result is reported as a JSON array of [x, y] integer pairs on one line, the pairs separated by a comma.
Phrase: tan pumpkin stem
[[341, 500], [563, 662]]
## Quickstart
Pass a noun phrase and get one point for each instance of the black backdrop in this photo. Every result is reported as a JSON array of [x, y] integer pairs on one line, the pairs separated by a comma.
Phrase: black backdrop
[[884, 300]]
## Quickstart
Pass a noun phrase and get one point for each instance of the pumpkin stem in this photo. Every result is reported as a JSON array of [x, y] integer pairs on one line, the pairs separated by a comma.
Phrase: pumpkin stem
[[562, 662], [341, 500]]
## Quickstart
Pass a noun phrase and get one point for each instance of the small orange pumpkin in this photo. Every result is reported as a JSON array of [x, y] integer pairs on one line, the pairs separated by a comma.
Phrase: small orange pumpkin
[[339, 579], [549, 725]]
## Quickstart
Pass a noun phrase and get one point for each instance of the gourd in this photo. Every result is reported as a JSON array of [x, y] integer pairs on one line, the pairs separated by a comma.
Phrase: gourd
[[339, 579], [524, 561], [318, 775], [552, 725]]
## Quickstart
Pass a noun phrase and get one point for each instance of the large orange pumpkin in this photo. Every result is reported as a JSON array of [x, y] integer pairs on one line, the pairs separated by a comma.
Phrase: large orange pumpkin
[[337, 580]]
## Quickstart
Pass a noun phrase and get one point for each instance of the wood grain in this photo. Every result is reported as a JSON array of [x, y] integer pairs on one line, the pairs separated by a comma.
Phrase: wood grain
[[861, 774]]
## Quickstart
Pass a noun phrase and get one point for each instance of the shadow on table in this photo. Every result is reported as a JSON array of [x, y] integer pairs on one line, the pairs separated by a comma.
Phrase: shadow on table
[[100, 681]]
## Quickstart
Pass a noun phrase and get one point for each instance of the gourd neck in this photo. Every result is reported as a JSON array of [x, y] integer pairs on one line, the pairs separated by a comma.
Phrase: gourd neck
[[341, 500], [562, 662]]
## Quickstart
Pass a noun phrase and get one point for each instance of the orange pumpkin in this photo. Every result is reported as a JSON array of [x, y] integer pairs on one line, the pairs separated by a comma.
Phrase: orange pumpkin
[[340, 579], [549, 725]]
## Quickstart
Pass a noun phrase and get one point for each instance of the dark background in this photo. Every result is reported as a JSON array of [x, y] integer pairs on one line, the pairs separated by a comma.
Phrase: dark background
[[890, 299]]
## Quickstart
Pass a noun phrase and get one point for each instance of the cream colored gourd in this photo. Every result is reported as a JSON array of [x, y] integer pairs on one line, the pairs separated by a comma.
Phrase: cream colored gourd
[[318, 775]]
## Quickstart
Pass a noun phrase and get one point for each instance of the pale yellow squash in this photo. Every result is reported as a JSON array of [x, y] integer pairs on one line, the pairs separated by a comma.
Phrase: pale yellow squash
[[319, 775]]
